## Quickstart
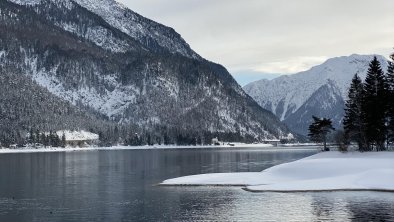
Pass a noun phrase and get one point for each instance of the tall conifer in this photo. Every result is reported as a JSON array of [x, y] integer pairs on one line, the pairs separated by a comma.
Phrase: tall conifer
[[390, 83], [353, 120], [375, 106]]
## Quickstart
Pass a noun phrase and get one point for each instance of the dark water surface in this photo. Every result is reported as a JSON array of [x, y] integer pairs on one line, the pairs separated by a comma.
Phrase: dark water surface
[[119, 186]]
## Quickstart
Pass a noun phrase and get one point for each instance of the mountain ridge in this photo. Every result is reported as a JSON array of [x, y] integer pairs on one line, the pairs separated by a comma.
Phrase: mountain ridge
[[286, 95], [126, 21]]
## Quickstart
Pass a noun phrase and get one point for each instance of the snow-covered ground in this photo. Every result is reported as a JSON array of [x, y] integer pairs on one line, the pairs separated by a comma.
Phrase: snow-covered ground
[[77, 135], [300, 144], [328, 171]]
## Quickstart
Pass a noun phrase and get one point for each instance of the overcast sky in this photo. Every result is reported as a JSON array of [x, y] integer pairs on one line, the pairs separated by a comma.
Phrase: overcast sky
[[262, 38]]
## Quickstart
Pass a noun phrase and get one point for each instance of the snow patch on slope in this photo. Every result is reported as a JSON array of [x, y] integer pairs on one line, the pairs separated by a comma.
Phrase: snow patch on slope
[[77, 135], [26, 2], [169, 86], [110, 103], [98, 35]]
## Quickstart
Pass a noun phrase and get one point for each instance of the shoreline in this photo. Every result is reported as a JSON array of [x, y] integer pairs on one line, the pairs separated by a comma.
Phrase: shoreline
[[156, 147], [318, 191], [245, 188]]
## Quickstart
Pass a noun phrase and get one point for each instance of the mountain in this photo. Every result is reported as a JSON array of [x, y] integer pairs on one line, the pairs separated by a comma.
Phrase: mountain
[[111, 62], [319, 91], [24, 104]]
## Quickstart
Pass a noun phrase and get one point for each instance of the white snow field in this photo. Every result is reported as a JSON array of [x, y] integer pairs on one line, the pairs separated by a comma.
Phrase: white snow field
[[328, 171], [77, 135]]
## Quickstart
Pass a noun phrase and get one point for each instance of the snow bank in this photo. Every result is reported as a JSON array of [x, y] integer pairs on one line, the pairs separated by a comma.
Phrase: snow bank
[[327, 171]]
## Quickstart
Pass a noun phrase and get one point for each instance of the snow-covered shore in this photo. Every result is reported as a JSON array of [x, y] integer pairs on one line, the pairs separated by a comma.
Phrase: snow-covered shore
[[73, 149], [327, 171]]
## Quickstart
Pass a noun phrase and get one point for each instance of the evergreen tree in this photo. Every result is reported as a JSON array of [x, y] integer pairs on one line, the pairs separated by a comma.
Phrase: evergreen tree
[[353, 120], [319, 129], [31, 136], [43, 139], [149, 139], [58, 142], [37, 137], [63, 143], [374, 108], [166, 138], [54, 139], [390, 83]]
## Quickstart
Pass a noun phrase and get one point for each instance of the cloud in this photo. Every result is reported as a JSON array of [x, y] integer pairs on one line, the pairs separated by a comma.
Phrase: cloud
[[276, 36], [291, 66]]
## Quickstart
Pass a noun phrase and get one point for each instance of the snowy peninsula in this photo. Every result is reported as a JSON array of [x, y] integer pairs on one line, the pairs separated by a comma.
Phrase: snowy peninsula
[[328, 171]]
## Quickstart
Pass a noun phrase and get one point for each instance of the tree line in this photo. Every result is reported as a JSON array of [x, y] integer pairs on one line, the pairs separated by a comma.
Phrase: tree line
[[46, 139], [163, 135], [369, 110]]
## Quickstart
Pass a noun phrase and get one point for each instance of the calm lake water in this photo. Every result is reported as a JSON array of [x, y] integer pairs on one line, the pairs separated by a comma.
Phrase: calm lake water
[[120, 186]]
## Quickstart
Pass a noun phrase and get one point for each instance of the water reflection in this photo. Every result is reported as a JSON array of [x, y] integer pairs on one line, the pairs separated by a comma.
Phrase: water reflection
[[353, 206], [380, 207], [343, 206], [118, 186]]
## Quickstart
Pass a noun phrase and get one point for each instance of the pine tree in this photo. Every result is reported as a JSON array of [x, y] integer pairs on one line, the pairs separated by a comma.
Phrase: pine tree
[[319, 129], [149, 139], [63, 143], [374, 108], [37, 137], [43, 139], [166, 138], [31, 136], [353, 120], [390, 83]]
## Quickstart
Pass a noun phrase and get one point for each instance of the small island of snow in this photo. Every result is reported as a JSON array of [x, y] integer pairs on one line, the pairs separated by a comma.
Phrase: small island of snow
[[328, 171]]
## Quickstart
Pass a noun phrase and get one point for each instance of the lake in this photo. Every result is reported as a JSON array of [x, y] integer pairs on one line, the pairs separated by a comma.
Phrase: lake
[[120, 185]]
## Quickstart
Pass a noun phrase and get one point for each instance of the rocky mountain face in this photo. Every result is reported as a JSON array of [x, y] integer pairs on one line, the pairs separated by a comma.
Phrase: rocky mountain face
[[110, 62], [320, 91]]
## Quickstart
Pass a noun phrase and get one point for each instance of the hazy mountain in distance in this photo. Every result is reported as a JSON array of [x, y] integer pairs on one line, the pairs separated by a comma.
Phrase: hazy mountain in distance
[[319, 91]]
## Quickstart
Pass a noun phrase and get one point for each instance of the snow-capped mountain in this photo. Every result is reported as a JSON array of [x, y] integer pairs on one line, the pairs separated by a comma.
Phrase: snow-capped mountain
[[152, 35], [100, 56], [319, 91]]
